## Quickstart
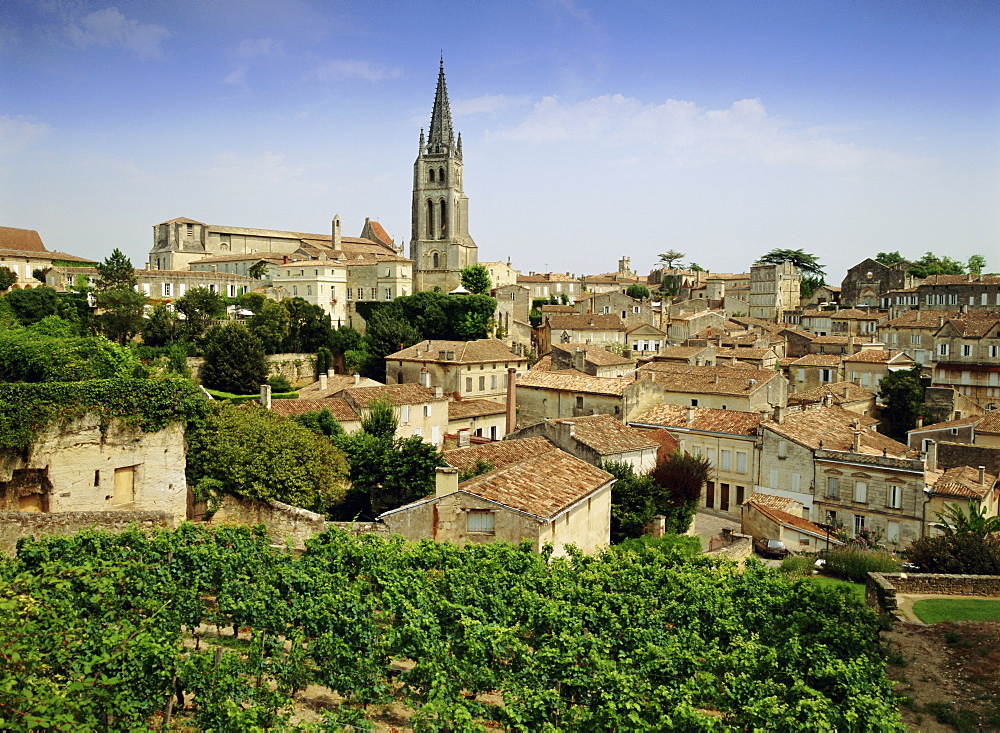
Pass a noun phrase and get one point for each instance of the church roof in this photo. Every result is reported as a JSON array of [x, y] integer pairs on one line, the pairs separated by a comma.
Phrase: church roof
[[441, 133]]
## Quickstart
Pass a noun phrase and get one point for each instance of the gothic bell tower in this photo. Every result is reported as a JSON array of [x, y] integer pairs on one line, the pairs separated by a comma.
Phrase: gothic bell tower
[[440, 245]]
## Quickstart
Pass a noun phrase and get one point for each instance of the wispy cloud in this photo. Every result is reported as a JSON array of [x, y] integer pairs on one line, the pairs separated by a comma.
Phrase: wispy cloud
[[109, 27], [253, 47], [488, 104], [743, 131], [341, 69], [16, 133]]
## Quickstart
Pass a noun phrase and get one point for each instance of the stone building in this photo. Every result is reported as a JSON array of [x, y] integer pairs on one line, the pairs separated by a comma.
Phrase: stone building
[[548, 497], [869, 281], [589, 359], [967, 358], [913, 332], [464, 369], [551, 284], [578, 328], [870, 365], [968, 292], [719, 387], [597, 439], [633, 312], [420, 411], [569, 394], [22, 252], [773, 290], [440, 243]]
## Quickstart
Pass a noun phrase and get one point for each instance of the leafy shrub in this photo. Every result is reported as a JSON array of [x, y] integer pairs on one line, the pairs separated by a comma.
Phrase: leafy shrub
[[280, 384], [797, 565], [855, 564], [29, 356], [958, 554]]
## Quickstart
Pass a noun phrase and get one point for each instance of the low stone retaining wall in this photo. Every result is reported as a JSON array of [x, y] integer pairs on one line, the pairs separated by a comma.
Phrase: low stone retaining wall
[[15, 525], [286, 525], [739, 550], [295, 368], [881, 588]]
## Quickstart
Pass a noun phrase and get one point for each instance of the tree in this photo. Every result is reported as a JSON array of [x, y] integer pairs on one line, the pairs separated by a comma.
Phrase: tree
[[476, 279], [976, 264], [633, 501], [120, 305], [258, 270], [889, 258], [639, 292], [682, 477], [116, 273], [808, 285], [379, 419], [931, 264], [308, 327], [386, 333], [695, 267], [324, 361], [251, 452], [32, 356], [234, 360], [39, 274], [322, 422], [33, 304], [271, 324], [804, 262], [7, 278], [670, 257], [199, 306], [902, 394], [975, 522], [161, 328], [956, 553]]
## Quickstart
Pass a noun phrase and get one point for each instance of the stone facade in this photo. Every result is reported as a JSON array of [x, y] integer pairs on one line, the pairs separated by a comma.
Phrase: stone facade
[[16, 525], [868, 282], [967, 358], [82, 468], [463, 369], [773, 290]]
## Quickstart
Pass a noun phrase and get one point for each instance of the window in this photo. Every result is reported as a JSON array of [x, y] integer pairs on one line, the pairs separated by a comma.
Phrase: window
[[740, 490], [824, 375], [232, 291], [966, 349], [493, 382], [725, 457], [295, 290], [579, 402], [635, 309], [994, 352], [709, 495], [97, 478], [406, 414], [374, 294], [782, 449], [427, 410], [388, 293], [772, 478], [861, 492], [166, 290], [894, 499], [349, 293], [942, 349], [892, 532], [694, 403], [468, 384], [711, 457], [309, 289], [482, 384], [832, 487], [481, 522], [859, 523], [796, 482]]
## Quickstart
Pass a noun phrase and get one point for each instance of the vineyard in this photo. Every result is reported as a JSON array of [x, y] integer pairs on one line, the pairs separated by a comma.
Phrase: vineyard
[[104, 631]]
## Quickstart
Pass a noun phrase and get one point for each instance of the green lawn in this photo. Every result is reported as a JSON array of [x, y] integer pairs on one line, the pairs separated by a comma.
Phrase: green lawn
[[932, 610], [856, 589]]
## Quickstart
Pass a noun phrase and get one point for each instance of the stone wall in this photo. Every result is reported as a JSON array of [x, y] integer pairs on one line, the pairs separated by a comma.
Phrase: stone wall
[[950, 455], [296, 368], [15, 525], [881, 588], [286, 525], [942, 403]]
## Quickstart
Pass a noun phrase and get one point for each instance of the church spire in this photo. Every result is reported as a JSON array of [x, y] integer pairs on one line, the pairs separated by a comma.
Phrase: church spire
[[441, 136]]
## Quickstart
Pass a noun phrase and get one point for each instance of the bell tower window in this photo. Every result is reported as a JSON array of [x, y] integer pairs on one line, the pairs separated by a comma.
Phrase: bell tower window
[[444, 219], [441, 174], [435, 260], [430, 174], [430, 218]]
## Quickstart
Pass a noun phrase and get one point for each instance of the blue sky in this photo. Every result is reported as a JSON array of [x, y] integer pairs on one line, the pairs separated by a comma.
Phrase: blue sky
[[591, 130]]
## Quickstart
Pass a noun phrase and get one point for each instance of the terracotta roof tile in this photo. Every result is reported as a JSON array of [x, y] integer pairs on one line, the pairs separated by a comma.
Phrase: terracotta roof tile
[[22, 240], [499, 453], [990, 423], [586, 322], [543, 485], [338, 407], [921, 319], [466, 352], [840, 393], [706, 419], [964, 481], [458, 410], [335, 384], [818, 360], [737, 381], [397, 394], [571, 380], [877, 356], [833, 427], [781, 503], [975, 328], [543, 365], [608, 435], [594, 354], [790, 520]]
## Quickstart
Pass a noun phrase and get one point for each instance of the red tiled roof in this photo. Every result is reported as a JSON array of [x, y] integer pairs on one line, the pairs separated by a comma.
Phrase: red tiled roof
[[817, 360], [22, 240], [499, 453], [790, 520], [876, 356], [571, 380], [833, 427], [990, 424], [964, 481], [607, 435], [397, 394], [458, 410], [840, 393], [734, 422], [585, 322], [338, 407], [466, 352]]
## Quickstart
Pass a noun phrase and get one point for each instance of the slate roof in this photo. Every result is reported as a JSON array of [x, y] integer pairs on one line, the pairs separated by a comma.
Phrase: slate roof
[[397, 394], [585, 322], [499, 453], [963, 481], [571, 380], [607, 435], [707, 419], [542, 485], [834, 428], [338, 407], [466, 352], [458, 410]]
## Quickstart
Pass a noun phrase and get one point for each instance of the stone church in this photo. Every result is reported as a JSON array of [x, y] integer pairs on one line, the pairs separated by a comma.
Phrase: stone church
[[440, 245]]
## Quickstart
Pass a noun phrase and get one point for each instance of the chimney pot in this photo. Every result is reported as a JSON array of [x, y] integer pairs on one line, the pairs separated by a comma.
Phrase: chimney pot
[[357, 379], [265, 396], [445, 481], [322, 382], [438, 391], [982, 475]]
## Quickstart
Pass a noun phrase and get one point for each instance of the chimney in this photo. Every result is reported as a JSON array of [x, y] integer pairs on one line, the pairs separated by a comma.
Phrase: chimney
[[779, 415], [445, 481], [690, 414], [284, 259], [982, 475], [438, 391], [265, 396], [330, 373], [827, 399], [442, 356], [357, 379], [511, 400], [322, 382], [920, 421], [930, 460], [425, 377], [463, 438], [856, 443]]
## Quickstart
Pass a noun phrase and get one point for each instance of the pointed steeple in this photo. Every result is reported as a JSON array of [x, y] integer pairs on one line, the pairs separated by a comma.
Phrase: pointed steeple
[[441, 136]]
